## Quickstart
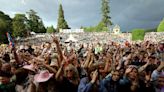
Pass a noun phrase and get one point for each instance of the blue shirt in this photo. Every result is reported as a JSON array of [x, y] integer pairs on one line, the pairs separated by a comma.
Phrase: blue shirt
[[86, 86]]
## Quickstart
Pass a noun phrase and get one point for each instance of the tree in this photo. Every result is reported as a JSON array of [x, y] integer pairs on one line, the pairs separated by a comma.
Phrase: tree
[[41, 27], [50, 29], [101, 27], [161, 26], [138, 34], [62, 24], [5, 26], [105, 13], [19, 25], [35, 23], [89, 29]]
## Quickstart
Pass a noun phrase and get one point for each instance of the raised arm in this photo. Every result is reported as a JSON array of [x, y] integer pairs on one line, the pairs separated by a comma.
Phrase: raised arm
[[86, 85], [50, 68], [17, 59], [87, 60], [60, 70], [144, 66], [106, 64], [59, 51]]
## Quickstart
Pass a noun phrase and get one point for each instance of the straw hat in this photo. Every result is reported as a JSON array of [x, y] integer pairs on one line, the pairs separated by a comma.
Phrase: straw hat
[[43, 76], [29, 67]]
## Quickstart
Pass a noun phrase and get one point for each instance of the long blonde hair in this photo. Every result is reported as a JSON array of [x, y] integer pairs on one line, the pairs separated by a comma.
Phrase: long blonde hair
[[75, 71]]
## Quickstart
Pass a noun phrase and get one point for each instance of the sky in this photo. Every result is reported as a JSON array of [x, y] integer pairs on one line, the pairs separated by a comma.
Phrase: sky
[[128, 14]]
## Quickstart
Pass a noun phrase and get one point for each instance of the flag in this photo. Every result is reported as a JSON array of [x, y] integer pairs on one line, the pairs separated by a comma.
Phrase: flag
[[11, 42]]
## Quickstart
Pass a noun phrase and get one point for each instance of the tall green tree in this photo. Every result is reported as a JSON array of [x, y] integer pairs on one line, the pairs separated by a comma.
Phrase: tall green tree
[[51, 29], [19, 25], [105, 13], [62, 24], [35, 23], [161, 26], [5, 26]]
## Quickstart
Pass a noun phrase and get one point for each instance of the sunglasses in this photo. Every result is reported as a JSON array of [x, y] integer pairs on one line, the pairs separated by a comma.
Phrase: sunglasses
[[69, 70]]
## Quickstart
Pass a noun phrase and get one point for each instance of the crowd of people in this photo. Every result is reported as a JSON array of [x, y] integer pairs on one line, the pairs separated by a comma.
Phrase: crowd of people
[[85, 37], [154, 36], [92, 67]]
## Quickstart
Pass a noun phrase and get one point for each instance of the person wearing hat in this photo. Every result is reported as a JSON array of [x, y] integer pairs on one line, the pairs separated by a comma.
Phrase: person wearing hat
[[24, 79], [45, 79], [46, 82]]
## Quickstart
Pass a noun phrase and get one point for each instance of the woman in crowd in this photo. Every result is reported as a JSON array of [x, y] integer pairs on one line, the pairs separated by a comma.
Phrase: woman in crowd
[[69, 80], [132, 82]]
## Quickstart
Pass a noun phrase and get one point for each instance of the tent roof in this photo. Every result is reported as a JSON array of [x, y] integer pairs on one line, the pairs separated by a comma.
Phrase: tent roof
[[71, 38]]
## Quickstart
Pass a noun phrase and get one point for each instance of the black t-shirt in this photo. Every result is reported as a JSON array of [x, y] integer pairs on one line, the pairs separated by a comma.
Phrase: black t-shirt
[[67, 86]]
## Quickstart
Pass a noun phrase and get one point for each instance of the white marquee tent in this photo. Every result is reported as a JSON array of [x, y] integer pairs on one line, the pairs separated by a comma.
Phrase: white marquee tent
[[71, 39]]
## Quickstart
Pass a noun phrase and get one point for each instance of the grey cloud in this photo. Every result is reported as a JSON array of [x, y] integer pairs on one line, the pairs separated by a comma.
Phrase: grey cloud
[[139, 14], [129, 14]]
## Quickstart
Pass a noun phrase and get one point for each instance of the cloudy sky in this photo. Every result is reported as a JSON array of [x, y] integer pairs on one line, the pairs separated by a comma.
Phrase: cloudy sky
[[129, 14]]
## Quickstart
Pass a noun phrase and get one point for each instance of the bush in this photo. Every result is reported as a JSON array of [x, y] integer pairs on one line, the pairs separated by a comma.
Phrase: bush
[[89, 29], [138, 34], [99, 28]]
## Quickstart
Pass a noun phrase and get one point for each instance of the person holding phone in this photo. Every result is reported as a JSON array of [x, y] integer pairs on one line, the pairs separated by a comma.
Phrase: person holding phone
[[89, 83]]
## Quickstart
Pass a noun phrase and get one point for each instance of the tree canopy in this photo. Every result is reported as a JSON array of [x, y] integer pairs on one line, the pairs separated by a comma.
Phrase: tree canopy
[[35, 23], [50, 29], [5, 26], [19, 25], [105, 23], [161, 26]]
